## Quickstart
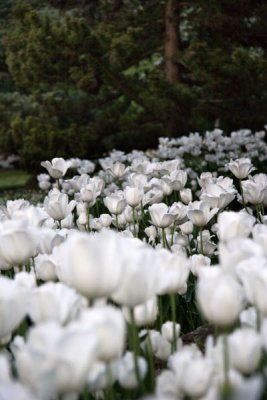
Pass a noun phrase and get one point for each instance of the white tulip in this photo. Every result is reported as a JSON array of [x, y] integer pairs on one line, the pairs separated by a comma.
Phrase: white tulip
[[161, 347], [253, 191], [54, 302], [167, 331], [196, 377], [18, 242], [232, 252], [91, 263], [232, 225], [219, 296], [144, 314], [57, 168], [217, 196], [160, 216], [57, 205], [174, 271], [102, 375], [186, 196], [140, 274], [198, 261], [241, 167], [13, 297], [245, 349], [133, 196], [109, 326], [117, 170], [56, 360], [187, 228], [166, 385], [48, 239], [15, 390], [105, 220], [126, 370], [115, 203], [200, 213]]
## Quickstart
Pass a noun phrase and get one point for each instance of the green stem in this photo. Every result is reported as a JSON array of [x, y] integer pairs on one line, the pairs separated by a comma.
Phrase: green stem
[[150, 359], [201, 240], [117, 222], [189, 249], [134, 227], [258, 212], [173, 311], [258, 320], [109, 391], [173, 230], [164, 240], [88, 219], [136, 348], [160, 311], [226, 362], [97, 208], [242, 195]]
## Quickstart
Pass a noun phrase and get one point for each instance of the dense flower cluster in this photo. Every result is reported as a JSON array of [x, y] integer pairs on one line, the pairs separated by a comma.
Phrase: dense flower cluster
[[106, 285]]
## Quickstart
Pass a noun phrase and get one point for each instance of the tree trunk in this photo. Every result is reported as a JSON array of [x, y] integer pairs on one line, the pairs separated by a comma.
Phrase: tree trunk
[[171, 46], [171, 40]]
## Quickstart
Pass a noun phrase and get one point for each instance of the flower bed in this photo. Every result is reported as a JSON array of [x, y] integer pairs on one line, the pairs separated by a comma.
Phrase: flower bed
[[140, 276]]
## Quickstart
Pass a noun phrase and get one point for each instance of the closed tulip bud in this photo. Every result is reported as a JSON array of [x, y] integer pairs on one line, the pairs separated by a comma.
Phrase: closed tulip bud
[[69, 351], [197, 262], [45, 267], [232, 225], [88, 194], [245, 349], [13, 297], [18, 242], [105, 220], [220, 296], [109, 326], [84, 262], [178, 178], [151, 232], [83, 219], [126, 370], [186, 196], [57, 205], [115, 204], [144, 314], [161, 347], [54, 302], [253, 192], [133, 196], [196, 377], [167, 387], [167, 331], [187, 228], [102, 375]]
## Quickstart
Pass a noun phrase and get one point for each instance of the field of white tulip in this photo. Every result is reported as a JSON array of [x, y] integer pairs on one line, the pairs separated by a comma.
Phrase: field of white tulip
[[140, 275]]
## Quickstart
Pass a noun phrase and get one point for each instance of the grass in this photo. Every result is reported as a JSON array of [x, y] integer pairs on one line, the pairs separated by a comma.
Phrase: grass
[[15, 184], [13, 179]]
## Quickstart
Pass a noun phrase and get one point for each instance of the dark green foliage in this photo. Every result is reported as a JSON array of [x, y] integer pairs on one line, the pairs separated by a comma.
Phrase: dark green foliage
[[80, 78]]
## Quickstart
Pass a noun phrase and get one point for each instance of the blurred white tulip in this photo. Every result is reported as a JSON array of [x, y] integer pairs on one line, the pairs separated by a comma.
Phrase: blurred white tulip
[[57, 168]]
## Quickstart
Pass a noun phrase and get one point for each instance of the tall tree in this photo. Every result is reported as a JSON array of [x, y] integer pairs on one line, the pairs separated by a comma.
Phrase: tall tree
[[105, 74]]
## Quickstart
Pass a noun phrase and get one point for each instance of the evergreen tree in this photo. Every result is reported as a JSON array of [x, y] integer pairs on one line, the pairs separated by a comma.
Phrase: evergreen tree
[[119, 73]]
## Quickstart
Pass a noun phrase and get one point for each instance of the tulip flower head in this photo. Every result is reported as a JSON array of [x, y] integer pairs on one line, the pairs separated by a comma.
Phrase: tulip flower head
[[57, 168]]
